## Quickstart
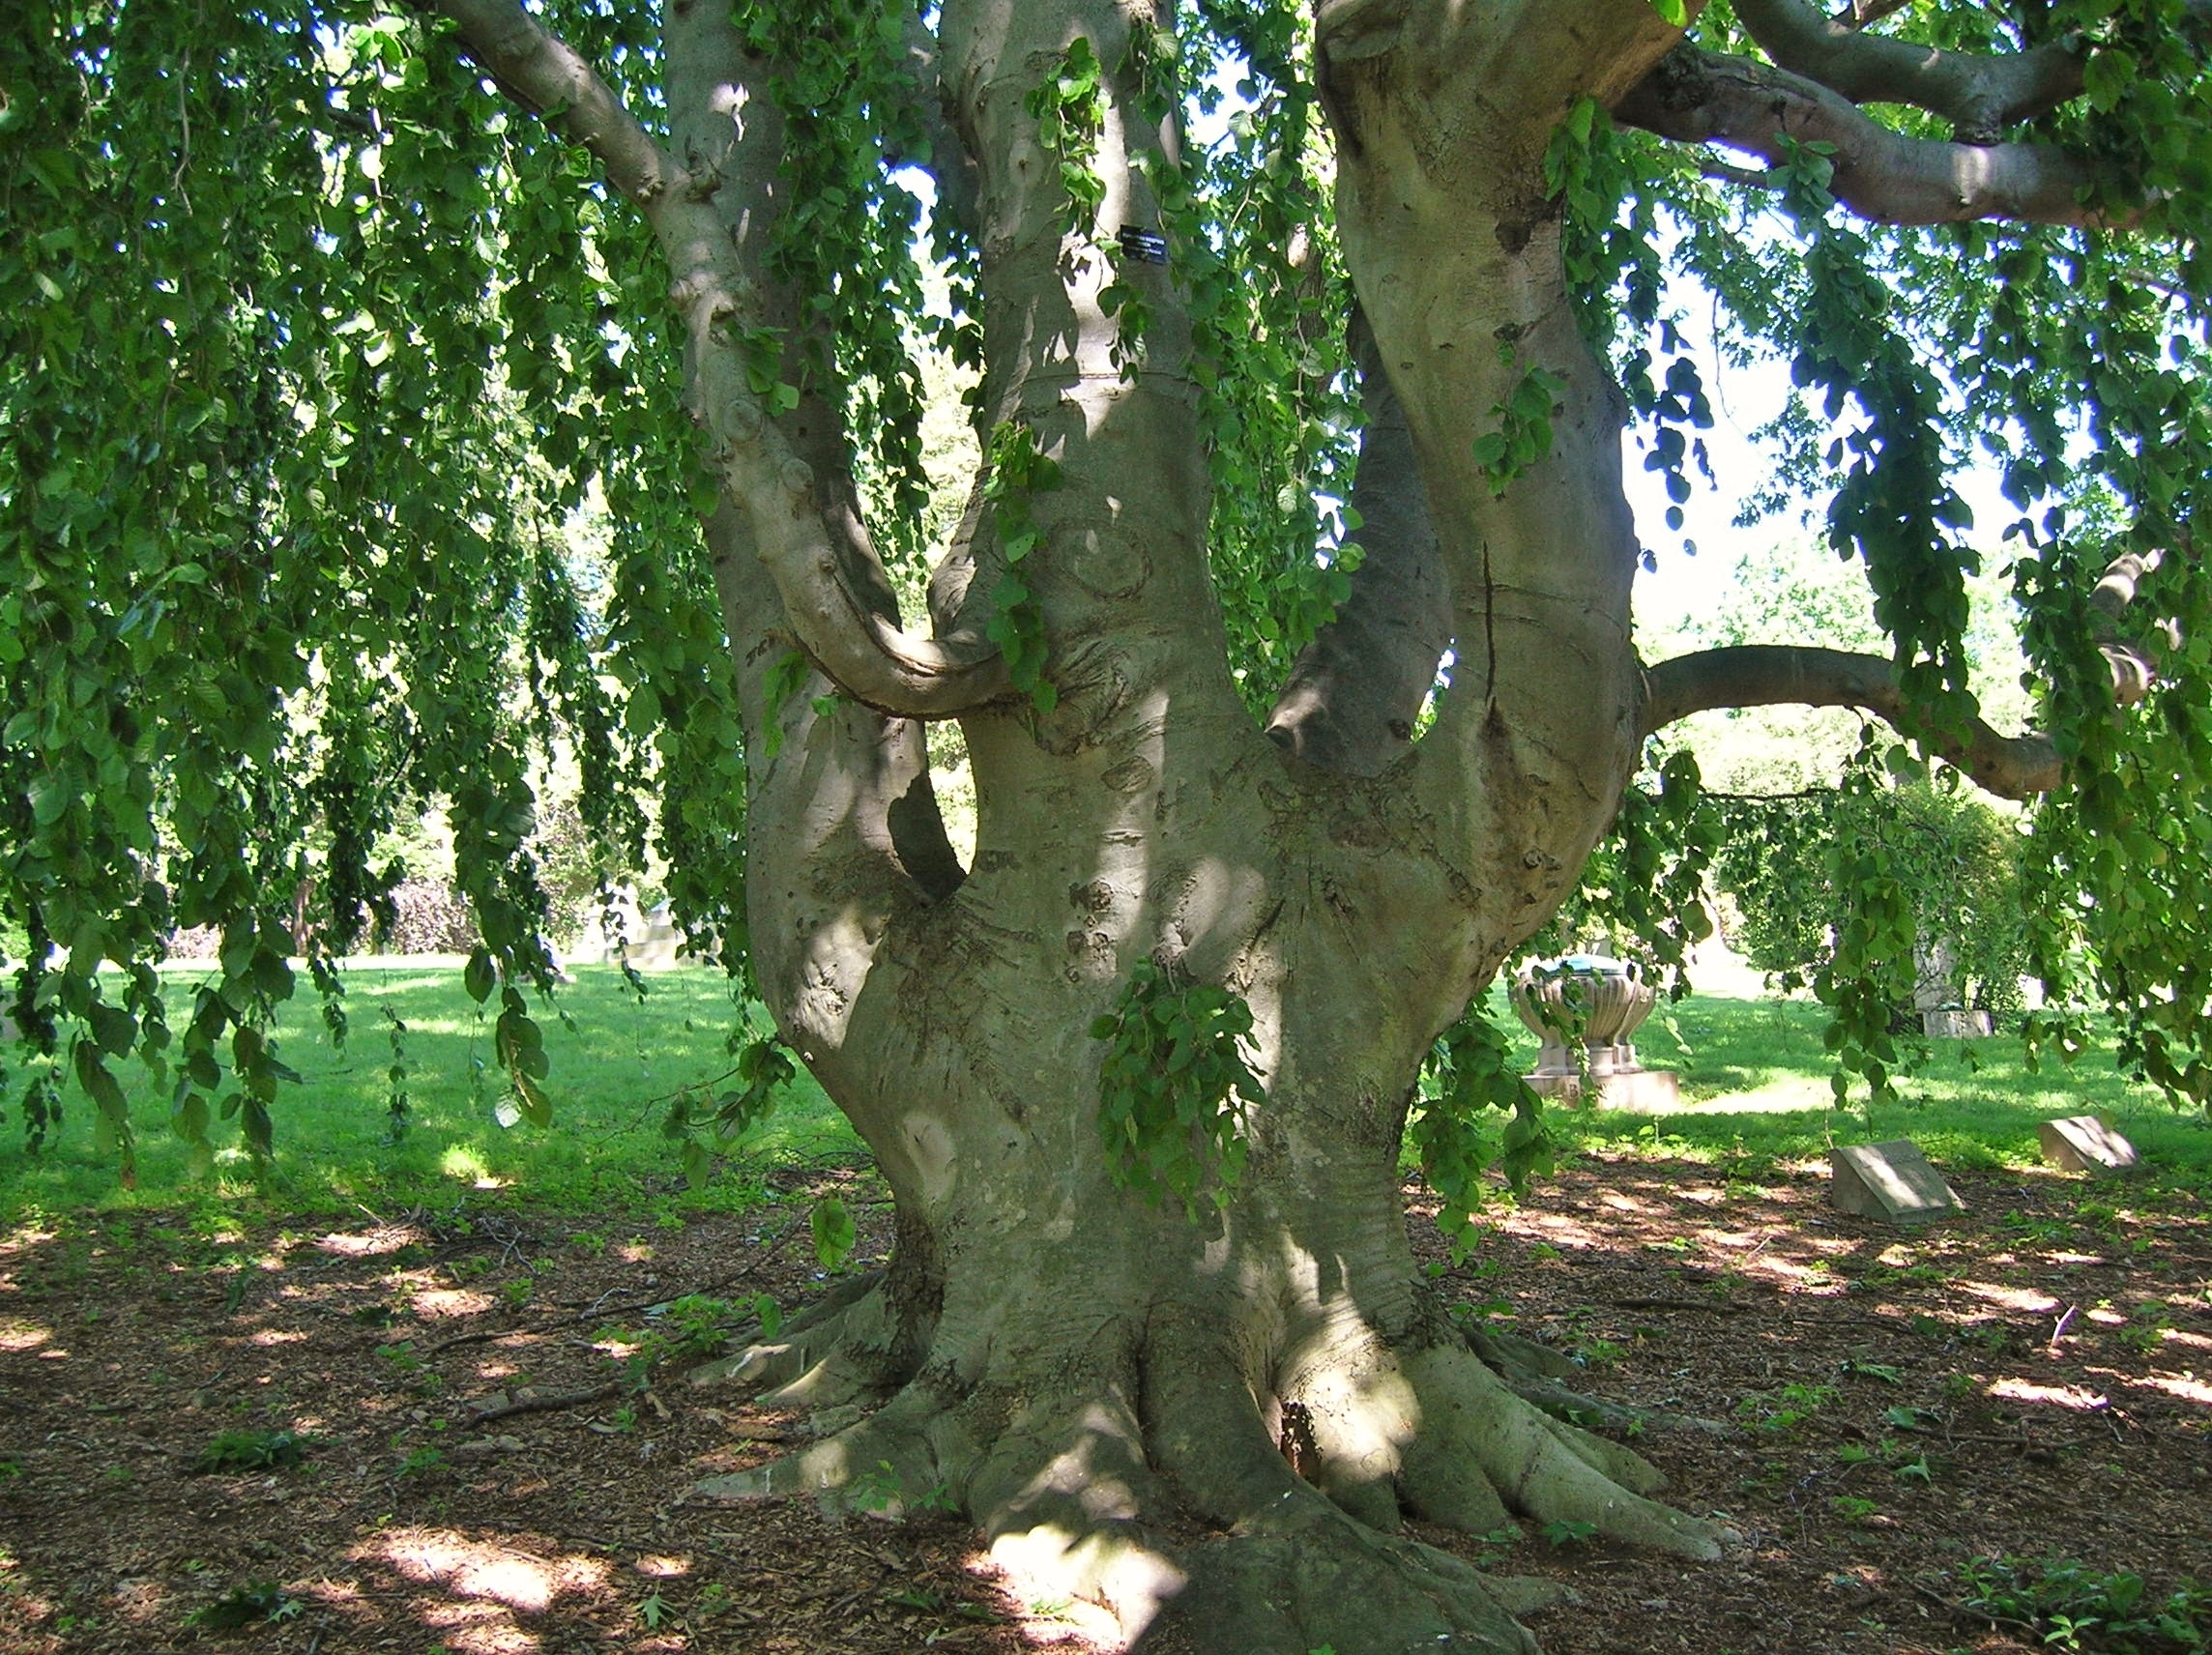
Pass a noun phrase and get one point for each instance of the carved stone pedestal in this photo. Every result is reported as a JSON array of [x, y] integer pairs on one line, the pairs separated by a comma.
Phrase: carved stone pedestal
[[1596, 1002]]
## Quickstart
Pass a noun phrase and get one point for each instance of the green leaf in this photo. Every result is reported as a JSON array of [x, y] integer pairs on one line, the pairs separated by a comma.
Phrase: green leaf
[[478, 977], [834, 1233]]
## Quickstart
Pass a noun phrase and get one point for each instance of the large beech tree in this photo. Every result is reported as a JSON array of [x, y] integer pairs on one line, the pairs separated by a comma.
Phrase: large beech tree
[[328, 320]]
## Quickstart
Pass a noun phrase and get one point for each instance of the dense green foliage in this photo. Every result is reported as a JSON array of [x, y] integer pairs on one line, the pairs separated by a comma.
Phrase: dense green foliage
[[324, 350], [1175, 1086], [1952, 859]]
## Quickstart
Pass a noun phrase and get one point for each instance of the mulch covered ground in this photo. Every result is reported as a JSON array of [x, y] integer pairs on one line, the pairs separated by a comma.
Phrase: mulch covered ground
[[2035, 1379]]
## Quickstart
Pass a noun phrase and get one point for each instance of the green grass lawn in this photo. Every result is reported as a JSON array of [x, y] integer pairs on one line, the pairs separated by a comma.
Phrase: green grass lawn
[[1755, 1082], [615, 1060]]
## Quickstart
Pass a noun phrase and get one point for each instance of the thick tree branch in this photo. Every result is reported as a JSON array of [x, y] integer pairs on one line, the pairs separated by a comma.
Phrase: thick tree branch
[[2134, 669], [949, 161], [1979, 94], [553, 81], [1702, 97], [791, 475], [809, 537], [1443, 114], [1352, 696], [1771, 675]]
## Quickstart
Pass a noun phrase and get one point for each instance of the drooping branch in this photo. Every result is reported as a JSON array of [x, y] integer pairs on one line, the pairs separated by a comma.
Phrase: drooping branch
[[553, 81], [1979, 94], [1700, 97], [792, 473], [713, 214], [1771, 675], [1352, 696]]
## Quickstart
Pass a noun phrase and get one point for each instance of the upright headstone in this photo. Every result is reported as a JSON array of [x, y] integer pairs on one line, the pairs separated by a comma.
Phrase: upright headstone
[[1892, 1182], [2086, 1144], [1957, 1023], [655, 949]]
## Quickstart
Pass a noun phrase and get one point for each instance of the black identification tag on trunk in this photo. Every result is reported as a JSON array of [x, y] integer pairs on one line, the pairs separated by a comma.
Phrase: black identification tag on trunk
[[1143, 246]]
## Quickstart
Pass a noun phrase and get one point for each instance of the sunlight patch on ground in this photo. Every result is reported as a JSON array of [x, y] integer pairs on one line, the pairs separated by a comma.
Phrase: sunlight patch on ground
[[2012, 1299], [371, 1243], [1788, 1094], [480, 1629], [1805, 1276], [2186, 1387], [1736, 1239], [1558, 1228], [474, 1569], [277, 1336], [2079, 1397], [460, 1161], [23, 1335], [434, 1302]]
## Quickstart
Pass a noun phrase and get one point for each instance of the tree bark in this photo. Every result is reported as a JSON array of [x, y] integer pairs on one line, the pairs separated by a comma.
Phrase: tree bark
[[1084, 1373]]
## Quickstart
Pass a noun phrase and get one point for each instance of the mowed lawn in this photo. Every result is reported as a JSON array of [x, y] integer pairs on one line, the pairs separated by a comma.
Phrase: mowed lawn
[[1755, 1085], [617, 1061]]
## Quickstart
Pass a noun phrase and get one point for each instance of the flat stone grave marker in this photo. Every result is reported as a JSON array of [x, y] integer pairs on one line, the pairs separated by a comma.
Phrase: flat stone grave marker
[[2086, 1144], [1892, 1182]]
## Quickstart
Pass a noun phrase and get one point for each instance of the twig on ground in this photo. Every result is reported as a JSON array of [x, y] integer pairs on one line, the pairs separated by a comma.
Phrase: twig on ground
[[544, 1401], [2065, 1322]]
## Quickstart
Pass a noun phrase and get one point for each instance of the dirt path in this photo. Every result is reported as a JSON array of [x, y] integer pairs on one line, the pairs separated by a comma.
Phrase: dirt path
[[2034, 1381]]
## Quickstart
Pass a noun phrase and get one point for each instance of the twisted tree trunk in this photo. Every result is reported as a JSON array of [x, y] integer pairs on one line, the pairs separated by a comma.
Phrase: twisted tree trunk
[[1086, 1374]]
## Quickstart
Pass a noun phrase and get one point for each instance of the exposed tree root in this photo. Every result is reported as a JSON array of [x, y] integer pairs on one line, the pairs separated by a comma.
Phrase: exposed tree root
[[1079, 1471], [1532, 1372], [839, 1353]]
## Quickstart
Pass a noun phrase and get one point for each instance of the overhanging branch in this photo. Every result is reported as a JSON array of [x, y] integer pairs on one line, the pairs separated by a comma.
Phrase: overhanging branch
[[1771, 675], [1702, 97], [1979, 94], [553, 81]]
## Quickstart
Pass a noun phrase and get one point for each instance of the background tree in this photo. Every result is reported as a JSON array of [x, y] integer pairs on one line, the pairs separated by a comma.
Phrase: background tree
[[330, 316]]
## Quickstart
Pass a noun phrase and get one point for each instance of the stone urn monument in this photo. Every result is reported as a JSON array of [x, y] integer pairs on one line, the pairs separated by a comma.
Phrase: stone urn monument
[[1594, 1001]]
